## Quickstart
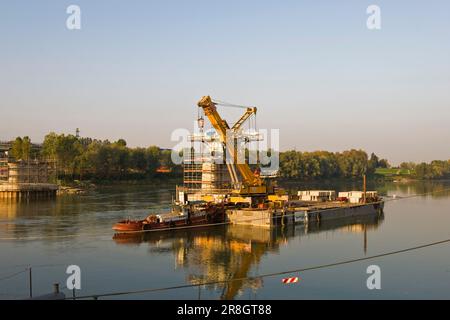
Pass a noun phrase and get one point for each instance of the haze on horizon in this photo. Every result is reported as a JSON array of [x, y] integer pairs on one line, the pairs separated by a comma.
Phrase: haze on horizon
[[136, 70]]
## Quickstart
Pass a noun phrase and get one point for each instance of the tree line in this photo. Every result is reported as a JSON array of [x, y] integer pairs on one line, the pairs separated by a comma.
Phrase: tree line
[[21, 148], [87, 158], [436, 169], [324, 164]]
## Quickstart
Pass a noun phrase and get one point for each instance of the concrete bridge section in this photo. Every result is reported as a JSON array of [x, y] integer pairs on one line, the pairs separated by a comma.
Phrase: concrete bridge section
[[27, 191]]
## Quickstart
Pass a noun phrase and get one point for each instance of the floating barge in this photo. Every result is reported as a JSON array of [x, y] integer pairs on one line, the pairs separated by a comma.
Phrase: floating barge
[[292, 212], [302, 213]]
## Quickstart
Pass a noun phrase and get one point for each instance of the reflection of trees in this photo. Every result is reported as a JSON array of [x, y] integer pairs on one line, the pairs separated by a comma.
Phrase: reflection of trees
[[437, 188], [233, 252], [79, 214]]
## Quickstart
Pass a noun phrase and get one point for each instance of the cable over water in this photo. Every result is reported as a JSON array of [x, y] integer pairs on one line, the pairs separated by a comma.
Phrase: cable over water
[[266, 275]]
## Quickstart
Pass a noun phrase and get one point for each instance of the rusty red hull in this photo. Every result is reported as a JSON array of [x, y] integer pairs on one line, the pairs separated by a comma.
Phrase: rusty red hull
[[216, 215], [129, 225]]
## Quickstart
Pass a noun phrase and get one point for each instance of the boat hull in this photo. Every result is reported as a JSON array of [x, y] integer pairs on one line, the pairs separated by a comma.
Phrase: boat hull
[[129, 226], [212, 215]]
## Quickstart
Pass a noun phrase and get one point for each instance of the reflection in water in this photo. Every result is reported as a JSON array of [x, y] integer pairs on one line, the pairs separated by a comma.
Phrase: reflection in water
[[434, 189], [78, 215], [94, 213], [214, 254], [77, 230]]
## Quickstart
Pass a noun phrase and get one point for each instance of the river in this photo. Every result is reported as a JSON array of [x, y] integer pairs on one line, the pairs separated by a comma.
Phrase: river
[[76, 230]]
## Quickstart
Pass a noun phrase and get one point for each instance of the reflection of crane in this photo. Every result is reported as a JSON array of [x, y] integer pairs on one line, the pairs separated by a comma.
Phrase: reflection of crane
[[223, 254], [251, 184], [241, 271]]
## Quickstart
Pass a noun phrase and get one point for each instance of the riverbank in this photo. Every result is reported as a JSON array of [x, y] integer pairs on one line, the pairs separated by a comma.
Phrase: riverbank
[[81, 187], [373, 182]]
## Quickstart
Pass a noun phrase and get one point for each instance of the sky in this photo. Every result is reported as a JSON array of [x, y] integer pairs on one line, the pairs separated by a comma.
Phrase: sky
[[136, 69]]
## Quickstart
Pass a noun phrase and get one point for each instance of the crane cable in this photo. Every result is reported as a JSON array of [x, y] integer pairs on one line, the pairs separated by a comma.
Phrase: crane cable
[[227, 104]]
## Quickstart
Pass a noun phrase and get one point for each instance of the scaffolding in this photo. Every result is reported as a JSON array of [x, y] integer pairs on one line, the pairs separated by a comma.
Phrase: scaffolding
[[4, 170], [203, 176], [27, 179], [27, 171]]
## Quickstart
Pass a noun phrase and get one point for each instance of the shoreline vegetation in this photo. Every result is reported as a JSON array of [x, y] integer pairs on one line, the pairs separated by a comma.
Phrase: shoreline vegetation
[[82, 163]]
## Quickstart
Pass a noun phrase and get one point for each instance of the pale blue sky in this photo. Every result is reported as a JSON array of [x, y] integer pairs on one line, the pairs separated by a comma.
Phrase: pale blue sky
[[137, 68]]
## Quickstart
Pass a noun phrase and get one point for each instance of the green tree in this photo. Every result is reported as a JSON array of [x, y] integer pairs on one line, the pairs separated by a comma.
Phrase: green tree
[[121, 143], [422, 171], [26, 148], [383, 163], [353, 163], [407, 165], [153, 155], [138, 160], [49, 146], [373, 163], [65, 149], [17, 149]]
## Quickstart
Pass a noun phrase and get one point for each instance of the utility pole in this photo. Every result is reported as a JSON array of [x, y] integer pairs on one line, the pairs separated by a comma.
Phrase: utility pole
[[365, 239], [364, 188], [31, 282]]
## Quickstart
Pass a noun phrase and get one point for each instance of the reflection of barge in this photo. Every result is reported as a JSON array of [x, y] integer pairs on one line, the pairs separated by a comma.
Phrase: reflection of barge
[[229, 252], [178, 217], [252, 234]]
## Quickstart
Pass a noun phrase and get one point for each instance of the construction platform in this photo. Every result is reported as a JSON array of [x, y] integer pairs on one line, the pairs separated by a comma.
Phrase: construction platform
[[29, 179], [27, 190]]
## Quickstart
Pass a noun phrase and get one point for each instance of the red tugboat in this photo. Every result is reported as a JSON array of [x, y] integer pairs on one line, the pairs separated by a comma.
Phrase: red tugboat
[[179, 217]]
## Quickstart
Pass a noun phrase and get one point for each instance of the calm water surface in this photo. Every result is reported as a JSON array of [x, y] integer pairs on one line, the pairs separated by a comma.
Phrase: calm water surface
[[76, 229]]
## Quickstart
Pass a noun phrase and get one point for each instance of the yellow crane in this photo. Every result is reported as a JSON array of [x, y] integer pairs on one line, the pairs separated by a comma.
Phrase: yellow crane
[[251, 184]]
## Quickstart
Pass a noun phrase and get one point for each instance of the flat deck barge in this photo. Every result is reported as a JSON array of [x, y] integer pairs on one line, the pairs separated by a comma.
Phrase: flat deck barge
[[306, 212]]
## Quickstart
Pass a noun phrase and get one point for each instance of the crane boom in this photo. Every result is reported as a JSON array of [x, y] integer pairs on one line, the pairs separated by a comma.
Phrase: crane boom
[[244, 117], [252, 183]]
